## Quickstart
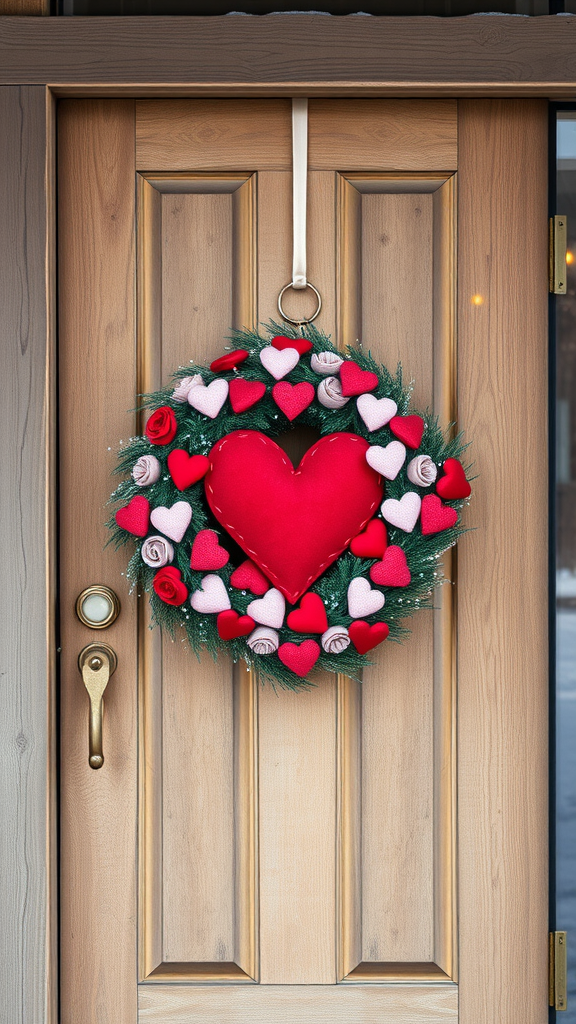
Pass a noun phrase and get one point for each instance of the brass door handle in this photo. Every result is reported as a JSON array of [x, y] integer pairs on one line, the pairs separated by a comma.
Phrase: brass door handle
[[97, 662]]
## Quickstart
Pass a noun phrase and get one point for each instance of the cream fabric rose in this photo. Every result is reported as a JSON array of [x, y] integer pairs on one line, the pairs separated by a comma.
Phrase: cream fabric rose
[[335, 640], [157, 551], [181, 392], [422, 471], [330, 395], [146, 471], [326, 363], [263, 640]]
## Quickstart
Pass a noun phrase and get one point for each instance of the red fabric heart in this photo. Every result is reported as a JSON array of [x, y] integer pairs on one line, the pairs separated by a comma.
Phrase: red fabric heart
[[434, 516], [365, 637], [231, 625], [293, 398], [185, 469], [299, 658], [135, 516], [310, 617], [207, 552], [356, 381], [229, 361], [245, 393], [372, 543], [393, 570], [302, 345], [284, 518], [248, 577], [408, 429], [454, 484]]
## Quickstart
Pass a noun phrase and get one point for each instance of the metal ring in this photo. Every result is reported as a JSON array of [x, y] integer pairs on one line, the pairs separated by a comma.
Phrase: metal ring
[[306, 320]]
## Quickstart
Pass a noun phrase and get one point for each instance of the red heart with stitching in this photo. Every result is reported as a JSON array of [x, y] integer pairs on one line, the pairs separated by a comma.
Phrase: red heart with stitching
[[453, 485], [185, 469], [365, 637], [372, 543], [248, 577], [135, 516], [310, 617], [245, 393], [393, 570], [434, 516], [207, 552], [302, 345], [356, 381], [283, 518], [293, 398], [408, 429], [231, 625], [299, 658]]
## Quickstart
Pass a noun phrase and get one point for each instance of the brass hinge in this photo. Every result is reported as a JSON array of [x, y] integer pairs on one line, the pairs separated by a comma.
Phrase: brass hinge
[[557, 985], [558, 255]]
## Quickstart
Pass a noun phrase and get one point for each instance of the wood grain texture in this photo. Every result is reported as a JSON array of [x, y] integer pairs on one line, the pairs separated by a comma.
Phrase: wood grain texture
[[27, 634], [30, 8], [97, 344], [502, 570], [300, 1004], [453, 56]]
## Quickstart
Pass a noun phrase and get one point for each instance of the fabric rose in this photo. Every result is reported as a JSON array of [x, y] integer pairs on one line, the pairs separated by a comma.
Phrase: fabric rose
[[183, 388], [326, 363], [169, 586], [330, 395], [335, 640], [422, 471], [161, 427], [146, 471], [157, 551], [263, 640]]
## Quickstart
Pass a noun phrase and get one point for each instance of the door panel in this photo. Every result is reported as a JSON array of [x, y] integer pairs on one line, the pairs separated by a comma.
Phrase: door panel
[[294, 855]]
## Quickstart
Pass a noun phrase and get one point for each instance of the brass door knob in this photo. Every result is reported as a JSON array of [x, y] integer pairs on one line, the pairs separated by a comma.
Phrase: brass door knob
[[97, 662]]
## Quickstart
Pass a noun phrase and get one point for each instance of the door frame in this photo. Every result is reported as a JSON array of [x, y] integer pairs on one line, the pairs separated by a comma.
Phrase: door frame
[[47, 57]]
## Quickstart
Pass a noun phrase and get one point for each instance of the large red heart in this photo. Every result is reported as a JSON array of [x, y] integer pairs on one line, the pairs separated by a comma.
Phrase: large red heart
[[292, 523]]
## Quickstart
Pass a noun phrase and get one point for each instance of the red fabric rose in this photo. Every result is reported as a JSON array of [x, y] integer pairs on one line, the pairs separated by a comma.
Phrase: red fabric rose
[[169, 586], [161, 427]]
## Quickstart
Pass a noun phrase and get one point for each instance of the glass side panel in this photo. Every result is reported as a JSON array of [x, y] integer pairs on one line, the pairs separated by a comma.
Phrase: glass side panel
[[566, 561]]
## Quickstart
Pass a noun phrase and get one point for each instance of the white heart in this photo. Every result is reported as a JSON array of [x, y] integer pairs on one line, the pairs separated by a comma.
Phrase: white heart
[[362, 599], [212, 596], [403, 513], [376, 412], [269, 610], [209, 399], [172, 522], [279, 362], [387, 461]]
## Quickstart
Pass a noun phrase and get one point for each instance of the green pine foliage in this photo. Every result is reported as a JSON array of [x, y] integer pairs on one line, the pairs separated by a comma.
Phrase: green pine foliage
[[197, 434]]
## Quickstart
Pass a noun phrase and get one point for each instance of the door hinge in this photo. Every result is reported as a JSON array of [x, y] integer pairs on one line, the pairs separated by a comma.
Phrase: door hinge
[[557, 984], [558, 236]]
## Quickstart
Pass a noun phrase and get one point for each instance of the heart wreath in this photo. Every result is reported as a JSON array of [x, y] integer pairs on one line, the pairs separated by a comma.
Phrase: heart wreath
[[288, 568]]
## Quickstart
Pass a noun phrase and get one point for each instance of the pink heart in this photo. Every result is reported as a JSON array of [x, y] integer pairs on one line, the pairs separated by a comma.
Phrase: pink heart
[[404, 513], [293, 398], [387, 461], [279, 362], [376, 412], [212, 597], [269, 610], [209, 399], [362, 599], [172, 522]]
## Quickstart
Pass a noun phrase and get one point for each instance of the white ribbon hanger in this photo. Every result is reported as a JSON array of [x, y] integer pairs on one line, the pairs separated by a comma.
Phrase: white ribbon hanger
[[299, 200]]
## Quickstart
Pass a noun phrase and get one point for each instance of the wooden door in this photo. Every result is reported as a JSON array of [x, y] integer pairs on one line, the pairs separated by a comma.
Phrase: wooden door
[[358, 853]]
